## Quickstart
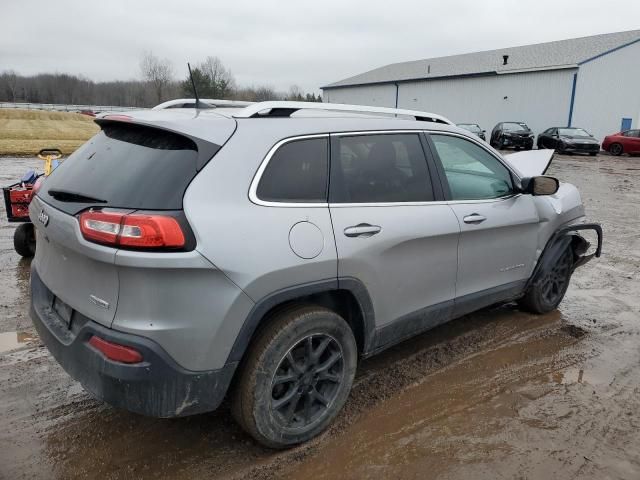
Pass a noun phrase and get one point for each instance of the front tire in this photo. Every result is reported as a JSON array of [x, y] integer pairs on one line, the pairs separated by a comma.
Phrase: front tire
[[547, 292], [616, 149], [297, 376], [24, 240]]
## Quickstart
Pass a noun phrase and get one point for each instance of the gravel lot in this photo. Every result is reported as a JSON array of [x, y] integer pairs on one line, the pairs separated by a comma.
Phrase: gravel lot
[[496, 394]]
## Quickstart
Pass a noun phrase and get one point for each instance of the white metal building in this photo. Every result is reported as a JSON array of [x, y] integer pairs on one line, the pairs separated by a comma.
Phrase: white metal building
[[590, 82]]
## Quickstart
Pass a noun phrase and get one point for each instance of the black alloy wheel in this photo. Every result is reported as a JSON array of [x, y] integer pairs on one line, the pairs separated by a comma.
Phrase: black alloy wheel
[[615, 149], [555, 283], [307, 381]]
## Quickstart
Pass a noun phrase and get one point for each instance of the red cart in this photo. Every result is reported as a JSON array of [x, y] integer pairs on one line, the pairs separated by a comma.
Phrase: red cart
[[16, 200]]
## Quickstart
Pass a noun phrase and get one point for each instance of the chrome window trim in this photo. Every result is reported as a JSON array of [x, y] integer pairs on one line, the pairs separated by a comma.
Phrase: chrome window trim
[[258, 175], [253, 188]]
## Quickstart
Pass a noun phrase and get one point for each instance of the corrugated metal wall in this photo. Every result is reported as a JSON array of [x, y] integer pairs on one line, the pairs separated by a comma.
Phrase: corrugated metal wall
[[541, 99], [374, 95], [607, 90]]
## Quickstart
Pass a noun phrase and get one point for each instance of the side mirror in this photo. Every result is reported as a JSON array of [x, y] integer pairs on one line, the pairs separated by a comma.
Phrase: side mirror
[[541, 185]]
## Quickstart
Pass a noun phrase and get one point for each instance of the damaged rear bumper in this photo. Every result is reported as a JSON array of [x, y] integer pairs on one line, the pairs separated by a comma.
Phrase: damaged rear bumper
[[157, 386]]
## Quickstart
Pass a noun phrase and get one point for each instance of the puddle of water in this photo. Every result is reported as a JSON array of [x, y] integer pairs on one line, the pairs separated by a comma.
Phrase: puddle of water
[[14, 340]]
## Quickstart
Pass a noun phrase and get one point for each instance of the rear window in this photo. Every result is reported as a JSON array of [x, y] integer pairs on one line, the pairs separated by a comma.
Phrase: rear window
[[127, 166], [296, 173]]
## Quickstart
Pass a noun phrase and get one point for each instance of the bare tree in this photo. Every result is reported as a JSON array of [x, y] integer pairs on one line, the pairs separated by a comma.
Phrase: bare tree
[[220, 78], [156, 72], [10, 81], [295, 93]]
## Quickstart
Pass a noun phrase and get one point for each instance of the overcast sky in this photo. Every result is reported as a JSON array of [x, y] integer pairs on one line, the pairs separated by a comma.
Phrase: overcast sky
[[282, 42]]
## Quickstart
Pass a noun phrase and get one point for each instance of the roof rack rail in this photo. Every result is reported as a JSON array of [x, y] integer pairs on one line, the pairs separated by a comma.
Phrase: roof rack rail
[[211, 102], [285, 109]]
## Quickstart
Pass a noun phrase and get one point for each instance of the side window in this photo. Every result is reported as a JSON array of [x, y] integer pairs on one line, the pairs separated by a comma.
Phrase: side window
[[472, 172], [296, 173], [379, 168]]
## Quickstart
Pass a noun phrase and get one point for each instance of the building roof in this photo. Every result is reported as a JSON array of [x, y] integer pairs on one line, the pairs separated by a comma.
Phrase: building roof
[[541, 56]]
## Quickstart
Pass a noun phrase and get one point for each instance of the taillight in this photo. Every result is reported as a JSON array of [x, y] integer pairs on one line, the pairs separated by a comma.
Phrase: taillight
[[132, 230], [115, 351]]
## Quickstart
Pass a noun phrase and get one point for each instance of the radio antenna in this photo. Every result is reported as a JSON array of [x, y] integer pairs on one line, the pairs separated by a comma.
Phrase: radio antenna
[[193, 85]]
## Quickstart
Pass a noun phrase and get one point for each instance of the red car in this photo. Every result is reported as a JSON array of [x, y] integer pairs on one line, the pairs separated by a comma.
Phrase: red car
[[622, 142]]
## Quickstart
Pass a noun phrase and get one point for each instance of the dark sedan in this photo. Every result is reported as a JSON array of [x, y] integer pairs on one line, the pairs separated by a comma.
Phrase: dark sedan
[[569, 140], [473, 128], [512, 135]]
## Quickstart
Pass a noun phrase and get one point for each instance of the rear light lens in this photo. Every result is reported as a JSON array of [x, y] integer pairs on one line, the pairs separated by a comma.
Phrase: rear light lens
[[132, 230], [115, 351]]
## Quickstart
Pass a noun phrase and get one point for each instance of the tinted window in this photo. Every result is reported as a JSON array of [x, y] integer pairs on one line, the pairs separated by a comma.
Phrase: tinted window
[[632, 133], [472, 172], [297, 172], [514, 127], [127, 166], [380, 168], [573, 132]]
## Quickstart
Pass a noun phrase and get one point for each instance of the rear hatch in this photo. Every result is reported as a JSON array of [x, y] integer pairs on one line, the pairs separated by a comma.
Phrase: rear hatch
[[129, 166]]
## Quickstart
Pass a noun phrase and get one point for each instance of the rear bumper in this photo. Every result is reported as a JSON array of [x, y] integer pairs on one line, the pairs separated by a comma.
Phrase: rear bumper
[[156, 387]]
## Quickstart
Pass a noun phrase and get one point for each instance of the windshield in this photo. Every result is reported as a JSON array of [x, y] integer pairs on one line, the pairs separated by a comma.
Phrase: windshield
[[469, 126], [515, 127], [573, 132]]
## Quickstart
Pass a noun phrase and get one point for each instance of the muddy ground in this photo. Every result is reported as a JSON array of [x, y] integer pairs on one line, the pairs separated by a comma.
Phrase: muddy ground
[[496, 394]]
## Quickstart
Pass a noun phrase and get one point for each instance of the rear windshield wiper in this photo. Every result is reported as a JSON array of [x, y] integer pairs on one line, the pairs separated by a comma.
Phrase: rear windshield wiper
[[64, 196]]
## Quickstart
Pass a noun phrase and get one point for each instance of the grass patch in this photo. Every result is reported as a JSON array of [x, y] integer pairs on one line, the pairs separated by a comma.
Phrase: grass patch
[[26, 132]]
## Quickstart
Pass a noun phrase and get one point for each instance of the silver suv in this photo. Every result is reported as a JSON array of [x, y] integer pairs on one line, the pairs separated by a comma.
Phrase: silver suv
[[261, 251]]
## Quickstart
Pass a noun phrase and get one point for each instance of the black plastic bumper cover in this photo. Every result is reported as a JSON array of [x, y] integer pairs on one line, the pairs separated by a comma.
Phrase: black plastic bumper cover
[[156, 387]]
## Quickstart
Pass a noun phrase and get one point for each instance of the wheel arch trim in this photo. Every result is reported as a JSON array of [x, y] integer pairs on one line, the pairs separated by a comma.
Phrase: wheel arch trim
[[263, 306], [558, 242]]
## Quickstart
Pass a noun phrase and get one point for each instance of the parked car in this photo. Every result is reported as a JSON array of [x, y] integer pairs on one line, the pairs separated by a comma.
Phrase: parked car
[[474, 128], [512, 135], [569, 140], [89, 113], [164, 278], [622, 142]]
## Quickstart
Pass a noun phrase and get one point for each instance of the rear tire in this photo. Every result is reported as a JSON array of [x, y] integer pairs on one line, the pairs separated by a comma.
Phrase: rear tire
[[296, 377], [616, 149], [547, 292], [24, 240]]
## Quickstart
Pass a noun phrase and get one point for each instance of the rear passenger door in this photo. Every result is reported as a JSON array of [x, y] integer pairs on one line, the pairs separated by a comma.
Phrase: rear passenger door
[[498, 238], [391, 231]]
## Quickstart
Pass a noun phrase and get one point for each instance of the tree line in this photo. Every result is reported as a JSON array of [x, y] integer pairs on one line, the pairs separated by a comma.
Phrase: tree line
[[156, 84]]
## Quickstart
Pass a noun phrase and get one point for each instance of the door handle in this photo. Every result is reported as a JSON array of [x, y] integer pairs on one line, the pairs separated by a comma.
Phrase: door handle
[[474, 218], [362, 230]]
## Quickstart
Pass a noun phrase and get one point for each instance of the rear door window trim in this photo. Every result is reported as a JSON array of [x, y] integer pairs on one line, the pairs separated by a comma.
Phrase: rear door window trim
[[253, 188]]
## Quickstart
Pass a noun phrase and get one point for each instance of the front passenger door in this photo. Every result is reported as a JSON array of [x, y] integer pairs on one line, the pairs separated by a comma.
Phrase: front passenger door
[[498, 238]]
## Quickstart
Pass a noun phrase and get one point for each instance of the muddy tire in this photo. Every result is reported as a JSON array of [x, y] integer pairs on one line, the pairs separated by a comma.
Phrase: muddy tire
[[616, 149], [296, 378], [24, 240], [547, 292]]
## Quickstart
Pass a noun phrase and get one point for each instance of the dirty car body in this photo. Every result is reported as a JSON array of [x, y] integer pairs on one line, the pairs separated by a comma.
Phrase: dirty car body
[[159, 323]]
